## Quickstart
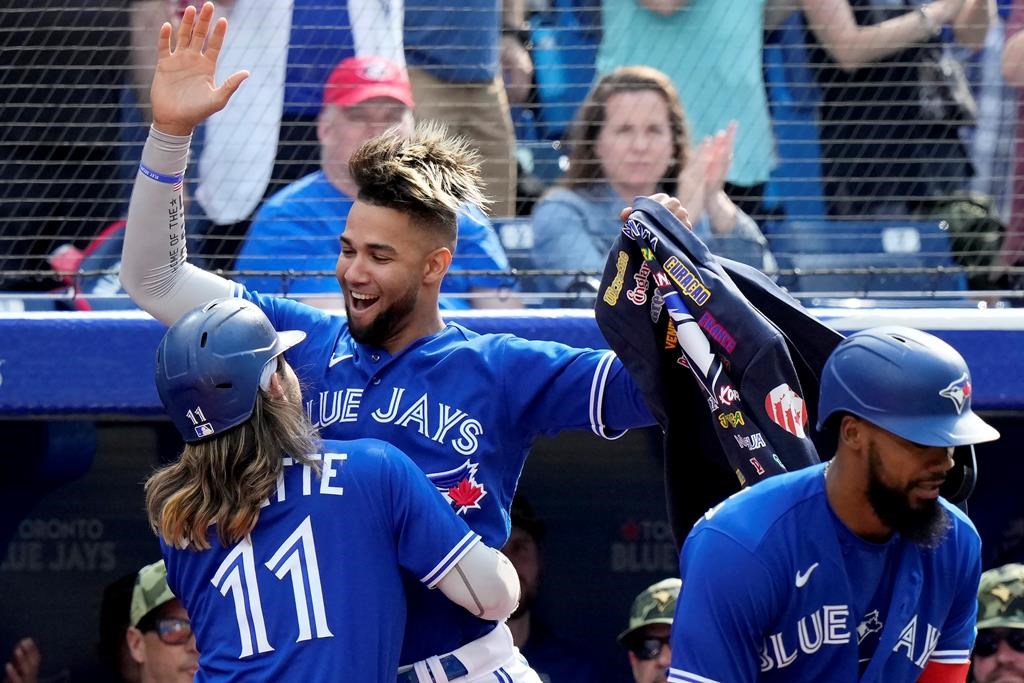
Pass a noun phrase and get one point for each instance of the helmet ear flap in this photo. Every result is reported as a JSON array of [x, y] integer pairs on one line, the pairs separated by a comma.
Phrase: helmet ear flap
[[960, 480]]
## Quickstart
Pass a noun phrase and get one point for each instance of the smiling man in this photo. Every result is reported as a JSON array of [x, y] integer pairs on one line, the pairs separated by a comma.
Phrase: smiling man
[[297, 229], [466, 407], [854, 570]]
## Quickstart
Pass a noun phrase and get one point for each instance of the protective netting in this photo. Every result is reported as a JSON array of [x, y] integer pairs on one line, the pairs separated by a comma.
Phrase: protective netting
[[866, 151]]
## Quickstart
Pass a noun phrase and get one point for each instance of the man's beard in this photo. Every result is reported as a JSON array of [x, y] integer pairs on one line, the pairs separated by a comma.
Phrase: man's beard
[[925, 526], [383, 327]]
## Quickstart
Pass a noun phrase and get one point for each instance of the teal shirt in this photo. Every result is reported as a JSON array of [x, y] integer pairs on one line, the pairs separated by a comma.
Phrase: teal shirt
[[711, 49]]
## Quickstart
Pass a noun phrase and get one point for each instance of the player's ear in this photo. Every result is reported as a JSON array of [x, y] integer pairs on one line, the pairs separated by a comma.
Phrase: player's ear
[[136, 644], [436, 265], [852, 432]]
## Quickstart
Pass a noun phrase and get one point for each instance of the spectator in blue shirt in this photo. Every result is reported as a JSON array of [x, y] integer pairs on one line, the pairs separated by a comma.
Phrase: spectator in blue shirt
[[297, 229]]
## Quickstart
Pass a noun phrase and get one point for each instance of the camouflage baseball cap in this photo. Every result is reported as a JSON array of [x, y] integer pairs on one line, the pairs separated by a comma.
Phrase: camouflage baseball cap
[[1001, 597], [150, 591], [655, 605]]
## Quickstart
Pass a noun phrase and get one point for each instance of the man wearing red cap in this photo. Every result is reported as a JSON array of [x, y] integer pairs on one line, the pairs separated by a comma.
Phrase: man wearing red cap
[[297, 229]]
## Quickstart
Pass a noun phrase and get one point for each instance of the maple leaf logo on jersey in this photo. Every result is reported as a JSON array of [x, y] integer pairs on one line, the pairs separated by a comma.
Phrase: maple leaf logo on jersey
[[958, 391], [460, 487]]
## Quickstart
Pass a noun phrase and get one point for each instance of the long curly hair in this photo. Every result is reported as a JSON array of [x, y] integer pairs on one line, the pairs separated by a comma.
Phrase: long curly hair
[[224, 480]]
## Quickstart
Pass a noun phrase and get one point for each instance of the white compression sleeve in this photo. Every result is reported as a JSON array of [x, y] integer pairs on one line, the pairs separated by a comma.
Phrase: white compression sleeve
[[153, 267], [484, 582]]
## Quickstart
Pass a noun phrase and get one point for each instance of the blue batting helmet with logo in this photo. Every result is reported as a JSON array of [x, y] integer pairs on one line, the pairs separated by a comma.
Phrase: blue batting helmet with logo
[[905, 381], [912, 384], [212, 362]]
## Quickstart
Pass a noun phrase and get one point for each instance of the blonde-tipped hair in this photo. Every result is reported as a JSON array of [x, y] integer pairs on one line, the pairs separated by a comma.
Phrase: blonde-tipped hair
[[225, 480], [429, 175]]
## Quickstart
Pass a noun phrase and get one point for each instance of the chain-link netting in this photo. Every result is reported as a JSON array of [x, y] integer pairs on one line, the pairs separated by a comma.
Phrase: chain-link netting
[[862, 147]]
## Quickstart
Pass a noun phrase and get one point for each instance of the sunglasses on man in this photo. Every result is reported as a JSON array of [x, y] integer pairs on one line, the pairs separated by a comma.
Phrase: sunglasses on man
[[988, 641], [171, 631], [649, 648]]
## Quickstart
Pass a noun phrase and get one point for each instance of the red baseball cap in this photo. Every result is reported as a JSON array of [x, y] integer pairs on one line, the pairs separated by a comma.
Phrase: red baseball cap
[[357, 79]]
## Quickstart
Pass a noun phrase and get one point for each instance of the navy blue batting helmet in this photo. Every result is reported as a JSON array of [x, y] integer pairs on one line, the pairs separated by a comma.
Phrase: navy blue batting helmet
[[907, 382], [212, 362]]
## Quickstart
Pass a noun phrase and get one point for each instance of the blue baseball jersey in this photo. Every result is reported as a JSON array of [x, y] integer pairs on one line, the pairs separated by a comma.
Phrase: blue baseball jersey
[[317, 586], [466, 407], [776, 588]]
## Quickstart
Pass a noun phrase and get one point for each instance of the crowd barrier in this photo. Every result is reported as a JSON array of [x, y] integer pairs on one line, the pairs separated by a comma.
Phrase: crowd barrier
[[100, 364]]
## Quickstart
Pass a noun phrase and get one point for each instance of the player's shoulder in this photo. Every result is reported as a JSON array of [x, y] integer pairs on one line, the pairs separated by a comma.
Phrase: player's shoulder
[[458, 337], [498, 348], [962, 529], [366, 450], [782, 505]]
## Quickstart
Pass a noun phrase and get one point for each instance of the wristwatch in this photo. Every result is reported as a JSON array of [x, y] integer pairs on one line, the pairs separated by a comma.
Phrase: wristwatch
[[934, 27], [520, 33]]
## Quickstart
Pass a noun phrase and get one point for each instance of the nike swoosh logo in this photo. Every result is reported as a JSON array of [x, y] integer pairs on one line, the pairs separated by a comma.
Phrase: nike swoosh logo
[[802, 577], [337, 359]]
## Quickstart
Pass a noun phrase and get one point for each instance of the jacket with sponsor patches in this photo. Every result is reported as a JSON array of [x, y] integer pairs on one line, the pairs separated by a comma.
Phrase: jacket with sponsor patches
[[682, 319]]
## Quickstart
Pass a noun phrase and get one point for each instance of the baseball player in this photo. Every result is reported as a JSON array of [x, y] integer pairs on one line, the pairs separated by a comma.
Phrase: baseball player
[[853, 570], [285, 550], [465, 407]]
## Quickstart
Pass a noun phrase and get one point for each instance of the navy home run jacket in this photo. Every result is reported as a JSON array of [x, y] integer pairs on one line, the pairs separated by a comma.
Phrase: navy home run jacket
[[728, 363]]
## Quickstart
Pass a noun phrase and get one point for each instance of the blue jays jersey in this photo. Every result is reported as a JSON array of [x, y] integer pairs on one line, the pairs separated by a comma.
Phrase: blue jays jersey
[[773, 591], [317, 586], [466, 408]]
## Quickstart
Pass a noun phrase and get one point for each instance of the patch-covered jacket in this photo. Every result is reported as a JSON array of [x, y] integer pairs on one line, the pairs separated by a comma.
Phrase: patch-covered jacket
[[680, 318]]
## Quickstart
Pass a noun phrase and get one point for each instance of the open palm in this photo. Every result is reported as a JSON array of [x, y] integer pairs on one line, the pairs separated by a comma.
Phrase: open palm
[[184, 91]]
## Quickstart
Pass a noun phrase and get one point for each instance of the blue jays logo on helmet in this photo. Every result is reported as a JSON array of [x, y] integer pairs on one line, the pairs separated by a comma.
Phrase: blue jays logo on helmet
[[460, 487], [958, 391], [905, 381]]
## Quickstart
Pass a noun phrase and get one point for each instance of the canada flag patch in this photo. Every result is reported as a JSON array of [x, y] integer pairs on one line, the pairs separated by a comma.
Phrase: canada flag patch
[[460, 487], [786, 408]]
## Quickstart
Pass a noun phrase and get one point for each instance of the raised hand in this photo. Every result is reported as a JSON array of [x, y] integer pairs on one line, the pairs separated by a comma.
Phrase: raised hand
[[719, 159], [184, 91], [693, 177]]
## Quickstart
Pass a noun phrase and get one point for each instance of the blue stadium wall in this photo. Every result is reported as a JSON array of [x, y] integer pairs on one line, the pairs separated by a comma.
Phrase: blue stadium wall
[[81, 428]]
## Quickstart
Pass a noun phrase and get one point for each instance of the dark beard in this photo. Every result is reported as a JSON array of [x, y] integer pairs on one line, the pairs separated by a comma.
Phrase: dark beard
[[925, 526], [384, 326]]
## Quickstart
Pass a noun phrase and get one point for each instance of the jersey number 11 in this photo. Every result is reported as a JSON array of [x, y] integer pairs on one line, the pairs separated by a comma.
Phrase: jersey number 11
[[237, 576]]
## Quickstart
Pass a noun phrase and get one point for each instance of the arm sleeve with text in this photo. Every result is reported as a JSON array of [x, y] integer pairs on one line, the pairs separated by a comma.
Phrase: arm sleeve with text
[[431, 537], [550, 387], [723, 611]]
